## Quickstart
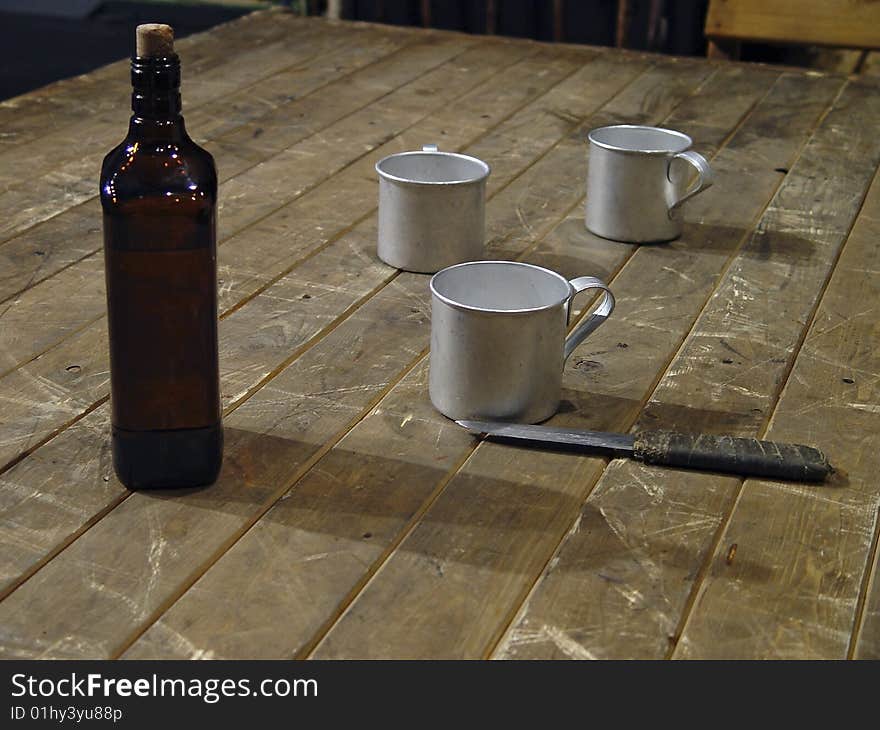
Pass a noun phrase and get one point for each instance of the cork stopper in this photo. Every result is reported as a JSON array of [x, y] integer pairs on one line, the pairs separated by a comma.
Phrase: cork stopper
[[155, 40]]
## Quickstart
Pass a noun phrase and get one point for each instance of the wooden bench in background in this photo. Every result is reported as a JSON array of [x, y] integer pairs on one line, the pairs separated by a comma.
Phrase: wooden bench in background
[[841, 24]]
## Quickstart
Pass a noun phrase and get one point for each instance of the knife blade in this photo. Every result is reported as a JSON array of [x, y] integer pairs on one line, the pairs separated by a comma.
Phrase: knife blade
[[732, 454]]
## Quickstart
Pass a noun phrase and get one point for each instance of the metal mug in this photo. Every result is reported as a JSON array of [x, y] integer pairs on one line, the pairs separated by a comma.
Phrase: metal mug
[[635, 189], [498, 338], [432, 209]]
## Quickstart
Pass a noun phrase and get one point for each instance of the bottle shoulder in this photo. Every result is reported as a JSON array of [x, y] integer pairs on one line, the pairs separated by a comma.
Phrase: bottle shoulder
[[139, 168]]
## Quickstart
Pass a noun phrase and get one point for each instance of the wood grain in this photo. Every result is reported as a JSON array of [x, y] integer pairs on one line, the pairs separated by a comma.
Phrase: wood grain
[[260, 337], [281, 183], [168, 535], [43, 111], [48, 247], [487, 564], [234, 156], [803, 554], [845, 23], [393, 461], [644, 533], [392, 338], [350, 518], [61, 155], [82, 284]]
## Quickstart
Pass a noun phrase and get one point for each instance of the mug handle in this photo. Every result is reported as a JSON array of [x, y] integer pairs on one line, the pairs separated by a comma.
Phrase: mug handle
[[701, 165], [597, 317]]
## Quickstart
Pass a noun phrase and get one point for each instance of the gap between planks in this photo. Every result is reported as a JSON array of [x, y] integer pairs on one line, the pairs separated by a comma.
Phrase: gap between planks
[[302, 472], [747, 233], [316, 640], [416, 40], [322, 334], [649, 391], [265, 507], [868, 580], [310, 646], [697, 587], [287, 270], [318, 182]]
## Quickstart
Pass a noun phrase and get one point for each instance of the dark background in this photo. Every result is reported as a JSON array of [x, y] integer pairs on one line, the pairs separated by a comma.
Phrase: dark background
[[45, 40], [37, 48], [678, 26]]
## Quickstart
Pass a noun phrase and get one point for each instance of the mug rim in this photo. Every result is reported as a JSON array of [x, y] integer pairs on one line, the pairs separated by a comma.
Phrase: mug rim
[[487, 310], [410, 181], [628, 150]]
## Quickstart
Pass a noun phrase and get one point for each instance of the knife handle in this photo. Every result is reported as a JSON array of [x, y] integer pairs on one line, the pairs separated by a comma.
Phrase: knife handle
[[745, 456]]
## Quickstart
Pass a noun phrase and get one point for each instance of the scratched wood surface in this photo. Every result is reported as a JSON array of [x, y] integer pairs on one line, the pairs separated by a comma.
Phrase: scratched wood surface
[[352, 520]]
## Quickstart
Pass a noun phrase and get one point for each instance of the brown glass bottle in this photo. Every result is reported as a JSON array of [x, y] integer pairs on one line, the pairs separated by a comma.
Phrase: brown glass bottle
[[158, 193]]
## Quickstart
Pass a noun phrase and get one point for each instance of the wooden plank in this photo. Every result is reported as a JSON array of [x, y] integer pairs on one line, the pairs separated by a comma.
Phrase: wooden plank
[[303, 62], [90, 370], [353, 507], [871, 64], [25, 204], [273, 184], [262, 255], [491, 531], [845, 23], [41, 505], [274, 243], [643, 534], [113, 593], [277, 243], [322, 281], [321, 98], [254, 340], [29, 116], [209, 70], [803, 555], [98, 102]]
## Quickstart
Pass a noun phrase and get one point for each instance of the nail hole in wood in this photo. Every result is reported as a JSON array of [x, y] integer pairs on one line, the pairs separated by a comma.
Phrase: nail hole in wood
[[731, 553]]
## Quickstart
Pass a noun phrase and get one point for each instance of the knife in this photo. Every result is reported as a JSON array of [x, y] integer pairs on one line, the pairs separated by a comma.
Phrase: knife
[[743, 456]]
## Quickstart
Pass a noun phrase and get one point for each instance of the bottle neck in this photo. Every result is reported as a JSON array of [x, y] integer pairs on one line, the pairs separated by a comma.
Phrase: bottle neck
[[155, 97], [161, 130]]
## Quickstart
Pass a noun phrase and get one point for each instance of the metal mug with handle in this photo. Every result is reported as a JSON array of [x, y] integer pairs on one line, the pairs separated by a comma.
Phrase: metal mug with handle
[[636, 182], [498, 338], [432, 209]]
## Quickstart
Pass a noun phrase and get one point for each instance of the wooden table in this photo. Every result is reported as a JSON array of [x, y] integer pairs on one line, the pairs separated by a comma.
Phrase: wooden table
[[350, 519]]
